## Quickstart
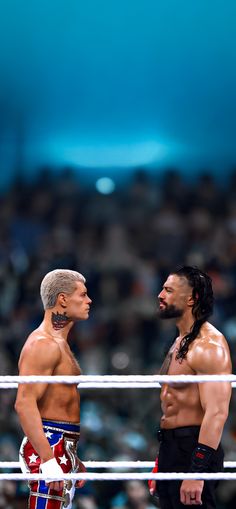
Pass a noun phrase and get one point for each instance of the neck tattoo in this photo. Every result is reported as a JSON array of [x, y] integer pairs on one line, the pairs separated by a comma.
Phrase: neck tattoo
[[59, 321]]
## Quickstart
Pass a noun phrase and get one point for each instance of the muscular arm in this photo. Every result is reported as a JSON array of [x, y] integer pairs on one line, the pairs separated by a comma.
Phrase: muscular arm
[[214, 396], [209, 359], [40, 357]]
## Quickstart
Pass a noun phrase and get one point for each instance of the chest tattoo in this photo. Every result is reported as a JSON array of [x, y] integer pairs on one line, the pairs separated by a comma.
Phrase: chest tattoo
[[166, 364]]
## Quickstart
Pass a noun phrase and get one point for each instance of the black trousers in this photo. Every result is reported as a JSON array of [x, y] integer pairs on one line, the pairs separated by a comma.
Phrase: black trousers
[[176, 447]]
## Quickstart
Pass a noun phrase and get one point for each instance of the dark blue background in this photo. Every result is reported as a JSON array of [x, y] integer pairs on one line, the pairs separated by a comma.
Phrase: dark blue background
[[118, 85]]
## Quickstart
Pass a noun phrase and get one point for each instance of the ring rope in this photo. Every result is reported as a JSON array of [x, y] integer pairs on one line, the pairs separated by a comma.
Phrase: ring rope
[[111, 464], [121, 381], [106, 385], [102, 385], [104, 379], [161, 476]]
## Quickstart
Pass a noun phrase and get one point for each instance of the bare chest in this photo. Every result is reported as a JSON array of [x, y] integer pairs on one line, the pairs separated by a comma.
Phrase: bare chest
[[173, 366], [69, 364], [178, 366]]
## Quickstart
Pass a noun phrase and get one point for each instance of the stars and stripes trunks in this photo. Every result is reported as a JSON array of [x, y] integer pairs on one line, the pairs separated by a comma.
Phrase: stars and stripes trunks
[[63, 438]]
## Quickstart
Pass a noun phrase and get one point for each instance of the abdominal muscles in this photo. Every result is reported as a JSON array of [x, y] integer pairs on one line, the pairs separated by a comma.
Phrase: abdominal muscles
[[60, 403], [181, 406]]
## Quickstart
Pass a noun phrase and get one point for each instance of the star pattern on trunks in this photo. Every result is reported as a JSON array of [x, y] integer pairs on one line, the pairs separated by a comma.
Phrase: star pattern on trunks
[[63, 459], [33, 458], [48, 434]]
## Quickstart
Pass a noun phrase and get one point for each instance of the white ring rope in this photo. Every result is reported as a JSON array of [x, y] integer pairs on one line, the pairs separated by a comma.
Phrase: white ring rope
[[110, 464], [161, 476], [103, 380], [106, 385], [117, 381], [102, 385]]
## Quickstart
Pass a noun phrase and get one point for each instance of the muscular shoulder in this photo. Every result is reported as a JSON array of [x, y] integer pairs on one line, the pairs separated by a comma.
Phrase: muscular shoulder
[[40, 350], [209, 353]]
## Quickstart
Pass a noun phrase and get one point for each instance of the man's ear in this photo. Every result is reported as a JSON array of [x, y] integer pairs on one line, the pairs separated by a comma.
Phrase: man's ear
[[191, 300], [62, 300]]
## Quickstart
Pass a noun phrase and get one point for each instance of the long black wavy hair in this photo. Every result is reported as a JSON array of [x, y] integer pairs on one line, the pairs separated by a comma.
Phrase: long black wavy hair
[[202, 294]]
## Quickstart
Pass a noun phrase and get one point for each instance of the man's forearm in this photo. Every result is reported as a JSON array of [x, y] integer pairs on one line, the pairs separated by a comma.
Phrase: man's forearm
[[211, 429], [31, 424]]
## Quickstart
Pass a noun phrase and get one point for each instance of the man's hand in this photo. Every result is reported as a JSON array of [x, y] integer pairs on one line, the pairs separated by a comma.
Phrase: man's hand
[[51, 468], [81, 483], [191, 492]]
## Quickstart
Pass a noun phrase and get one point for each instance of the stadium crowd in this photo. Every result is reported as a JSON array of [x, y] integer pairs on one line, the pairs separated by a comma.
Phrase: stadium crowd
[[124, 243]]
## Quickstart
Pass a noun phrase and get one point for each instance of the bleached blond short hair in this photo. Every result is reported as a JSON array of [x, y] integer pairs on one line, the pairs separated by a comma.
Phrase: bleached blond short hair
[[58, 281]]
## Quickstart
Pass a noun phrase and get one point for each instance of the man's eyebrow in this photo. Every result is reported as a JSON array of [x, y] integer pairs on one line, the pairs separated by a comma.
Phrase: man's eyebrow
[[167, 287]]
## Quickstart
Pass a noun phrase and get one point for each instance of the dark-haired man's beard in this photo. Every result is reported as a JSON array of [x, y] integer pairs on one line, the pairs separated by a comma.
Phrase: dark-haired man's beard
[[170, 312]]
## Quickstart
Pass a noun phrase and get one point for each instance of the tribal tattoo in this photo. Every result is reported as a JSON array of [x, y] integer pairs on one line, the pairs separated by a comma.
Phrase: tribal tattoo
[[59, 321], [166, 364]]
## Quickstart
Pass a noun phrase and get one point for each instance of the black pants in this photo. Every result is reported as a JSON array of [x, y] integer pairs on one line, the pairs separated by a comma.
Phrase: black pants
[[176, 447]]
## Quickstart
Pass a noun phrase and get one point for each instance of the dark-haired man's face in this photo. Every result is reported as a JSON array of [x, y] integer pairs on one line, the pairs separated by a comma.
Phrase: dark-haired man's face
[[175, 297]]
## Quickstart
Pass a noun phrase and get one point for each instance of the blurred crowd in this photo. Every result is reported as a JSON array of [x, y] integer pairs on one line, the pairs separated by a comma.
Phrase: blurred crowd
[[124, 243]]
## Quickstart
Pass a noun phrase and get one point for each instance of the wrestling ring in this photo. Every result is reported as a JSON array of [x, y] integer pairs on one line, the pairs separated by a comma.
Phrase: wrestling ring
[[116, 382]]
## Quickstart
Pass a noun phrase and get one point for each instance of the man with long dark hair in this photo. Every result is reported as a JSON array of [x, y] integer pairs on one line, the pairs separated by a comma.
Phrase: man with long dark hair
[[194, 414]]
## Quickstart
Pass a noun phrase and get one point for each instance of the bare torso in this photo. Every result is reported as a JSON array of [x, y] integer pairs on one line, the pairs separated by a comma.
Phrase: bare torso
[[59, 402], [181, 404]]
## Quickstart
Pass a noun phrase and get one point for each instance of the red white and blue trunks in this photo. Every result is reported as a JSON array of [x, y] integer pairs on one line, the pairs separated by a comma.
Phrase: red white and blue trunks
[[63, 438]]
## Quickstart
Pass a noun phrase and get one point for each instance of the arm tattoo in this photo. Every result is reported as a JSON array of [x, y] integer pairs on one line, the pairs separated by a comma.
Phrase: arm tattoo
[[59, 321]]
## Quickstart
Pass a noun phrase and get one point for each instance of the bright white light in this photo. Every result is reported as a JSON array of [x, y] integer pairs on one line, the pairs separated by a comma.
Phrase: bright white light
[[105, 185], [110, 155], [120, 360]]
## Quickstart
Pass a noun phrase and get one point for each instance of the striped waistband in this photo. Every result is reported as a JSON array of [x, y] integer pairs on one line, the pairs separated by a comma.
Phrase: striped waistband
[[67, 427]]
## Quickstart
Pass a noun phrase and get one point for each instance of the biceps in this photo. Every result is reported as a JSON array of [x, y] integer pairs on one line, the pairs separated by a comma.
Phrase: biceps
[[38, 365], [215, 396], [30, 393]]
